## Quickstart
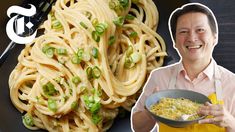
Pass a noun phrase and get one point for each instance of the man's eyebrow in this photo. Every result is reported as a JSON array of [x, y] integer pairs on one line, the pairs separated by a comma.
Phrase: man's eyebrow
[[200, 26], [185, 28], [182, 28]]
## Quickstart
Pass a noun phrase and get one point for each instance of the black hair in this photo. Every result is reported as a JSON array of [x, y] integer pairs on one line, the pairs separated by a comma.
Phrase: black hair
[[192, 8]]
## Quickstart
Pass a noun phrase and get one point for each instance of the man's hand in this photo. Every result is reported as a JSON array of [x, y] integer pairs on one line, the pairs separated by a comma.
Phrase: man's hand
[[221, 117], [142, 121]]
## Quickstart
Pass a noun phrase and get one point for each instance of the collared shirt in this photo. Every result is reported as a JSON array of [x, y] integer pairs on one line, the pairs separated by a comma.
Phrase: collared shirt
[[203, 83]]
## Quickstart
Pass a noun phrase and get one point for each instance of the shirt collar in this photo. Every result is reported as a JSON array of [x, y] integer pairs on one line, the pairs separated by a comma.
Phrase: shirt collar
[[181, 68], [209, 71]]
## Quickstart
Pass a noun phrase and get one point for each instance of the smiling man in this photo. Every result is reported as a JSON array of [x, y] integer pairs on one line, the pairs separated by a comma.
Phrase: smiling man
[[195, 33]]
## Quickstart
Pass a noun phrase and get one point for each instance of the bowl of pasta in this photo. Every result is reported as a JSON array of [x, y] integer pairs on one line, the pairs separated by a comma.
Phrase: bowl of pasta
[[168, 106]]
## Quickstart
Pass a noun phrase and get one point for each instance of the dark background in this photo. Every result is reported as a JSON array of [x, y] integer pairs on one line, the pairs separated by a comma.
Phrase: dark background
[[224, 54]]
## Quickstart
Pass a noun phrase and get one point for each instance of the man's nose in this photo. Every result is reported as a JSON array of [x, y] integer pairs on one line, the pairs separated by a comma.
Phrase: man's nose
[[192, 36]]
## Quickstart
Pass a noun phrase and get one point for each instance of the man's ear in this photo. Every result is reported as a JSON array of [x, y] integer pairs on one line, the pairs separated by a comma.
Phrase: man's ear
[[215, 40], [174, 43]]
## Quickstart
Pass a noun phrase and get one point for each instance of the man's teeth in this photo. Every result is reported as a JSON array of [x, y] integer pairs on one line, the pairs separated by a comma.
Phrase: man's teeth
[[194, 47]]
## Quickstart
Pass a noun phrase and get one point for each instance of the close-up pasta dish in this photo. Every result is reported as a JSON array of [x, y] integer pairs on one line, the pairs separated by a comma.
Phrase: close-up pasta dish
[[93, 58], [175, 108]]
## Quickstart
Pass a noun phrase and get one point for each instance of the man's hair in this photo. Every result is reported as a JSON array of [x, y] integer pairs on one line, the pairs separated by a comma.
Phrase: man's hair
[[192, 8]]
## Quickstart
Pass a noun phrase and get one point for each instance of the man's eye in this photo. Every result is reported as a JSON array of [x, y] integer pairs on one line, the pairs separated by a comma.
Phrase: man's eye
[[183, 32], [200, 30]]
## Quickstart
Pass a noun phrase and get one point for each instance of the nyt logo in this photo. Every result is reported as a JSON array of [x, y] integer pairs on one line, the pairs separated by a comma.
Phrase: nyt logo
[[16, 25]]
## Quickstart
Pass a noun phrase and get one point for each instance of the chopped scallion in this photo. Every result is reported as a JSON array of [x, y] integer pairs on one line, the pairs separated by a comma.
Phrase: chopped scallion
[[96, 72], [96, 118], [135, 1], [83, 25], [95, 22], [96, 98], [89, 72], [100, 28], [49, 89], [80, 53], [58, 79], [118, 9], [52, 105], [65, 98], [74, 105], [52, 16], [83, 88], [92, 104], [95, 107], [28, 120], [95, 52], [61, 51], [124, 3], [76, 80], [112, 4], [45, 48], [88, 14], [130, 17], [128, 63], [133, 34], [95, 36], [50, 52], [119, 21], [56, 24], [76, 60], [98, 92], [111, 41], [37, 98], [71, 91]]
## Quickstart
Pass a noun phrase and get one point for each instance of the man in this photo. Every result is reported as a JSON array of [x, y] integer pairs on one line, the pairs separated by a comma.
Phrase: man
[[195, 33]]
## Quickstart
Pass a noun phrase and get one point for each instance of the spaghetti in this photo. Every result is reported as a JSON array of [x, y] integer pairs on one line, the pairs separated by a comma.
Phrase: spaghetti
[[174, 108], [92, 58]]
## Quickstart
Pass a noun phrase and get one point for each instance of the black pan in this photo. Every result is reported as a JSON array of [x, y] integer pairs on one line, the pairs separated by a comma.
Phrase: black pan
[[175, 93]]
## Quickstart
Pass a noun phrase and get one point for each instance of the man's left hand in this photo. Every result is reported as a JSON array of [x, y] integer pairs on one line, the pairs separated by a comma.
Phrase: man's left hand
[[221, 116]]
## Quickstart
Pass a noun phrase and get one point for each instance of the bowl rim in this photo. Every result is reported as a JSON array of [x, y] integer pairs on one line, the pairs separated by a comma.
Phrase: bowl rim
[[176, 121]]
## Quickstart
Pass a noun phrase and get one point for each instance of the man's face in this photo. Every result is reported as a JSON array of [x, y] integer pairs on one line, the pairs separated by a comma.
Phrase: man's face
[[194, 38]]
